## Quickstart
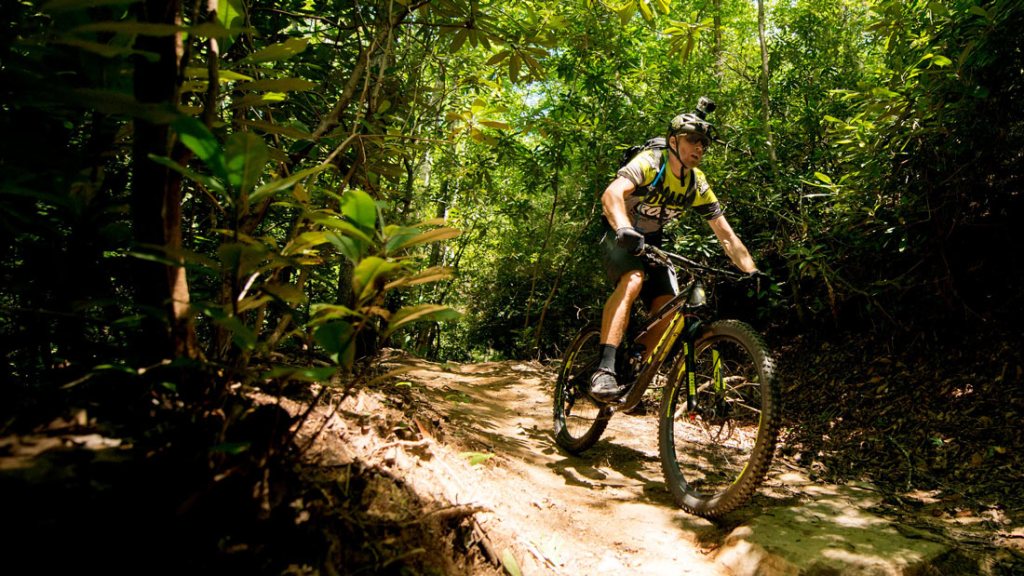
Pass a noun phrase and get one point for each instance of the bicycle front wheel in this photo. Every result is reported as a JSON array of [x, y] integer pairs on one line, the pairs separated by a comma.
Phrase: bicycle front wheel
[[715, 456], [579, 420]]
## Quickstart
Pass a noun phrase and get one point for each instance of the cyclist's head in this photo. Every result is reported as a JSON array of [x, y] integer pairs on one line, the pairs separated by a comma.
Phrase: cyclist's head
[[695, 122]]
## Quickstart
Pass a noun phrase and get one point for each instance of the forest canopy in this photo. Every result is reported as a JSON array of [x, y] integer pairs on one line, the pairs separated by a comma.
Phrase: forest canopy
[[274, 190]]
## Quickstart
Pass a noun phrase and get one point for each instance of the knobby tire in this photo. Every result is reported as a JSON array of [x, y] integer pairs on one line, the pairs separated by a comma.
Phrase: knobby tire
[[579, 421], [715, 458]]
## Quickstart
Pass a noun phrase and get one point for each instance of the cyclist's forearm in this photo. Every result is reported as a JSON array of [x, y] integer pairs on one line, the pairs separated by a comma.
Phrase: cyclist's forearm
[[613, 203], [732, 245], [739, 254]]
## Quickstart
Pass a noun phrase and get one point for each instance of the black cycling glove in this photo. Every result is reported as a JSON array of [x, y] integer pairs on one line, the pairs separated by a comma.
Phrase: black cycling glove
[[761, 281], [630, 240]]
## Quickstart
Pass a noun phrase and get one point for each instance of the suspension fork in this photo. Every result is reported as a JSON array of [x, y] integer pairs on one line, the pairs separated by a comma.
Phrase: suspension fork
[[688, 367]]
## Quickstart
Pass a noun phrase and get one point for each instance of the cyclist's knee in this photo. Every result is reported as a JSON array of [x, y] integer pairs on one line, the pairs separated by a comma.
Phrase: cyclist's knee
[[631, 282]]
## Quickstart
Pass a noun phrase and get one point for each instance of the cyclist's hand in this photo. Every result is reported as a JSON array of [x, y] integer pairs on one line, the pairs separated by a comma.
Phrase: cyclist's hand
[[630, 240], [759, 280]]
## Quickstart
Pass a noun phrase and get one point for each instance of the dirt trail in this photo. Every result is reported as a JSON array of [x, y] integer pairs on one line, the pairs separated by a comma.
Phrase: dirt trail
[[479, 436], [604, 513]]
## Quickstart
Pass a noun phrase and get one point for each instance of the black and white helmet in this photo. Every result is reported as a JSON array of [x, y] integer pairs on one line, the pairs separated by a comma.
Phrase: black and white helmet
[[694, 122]]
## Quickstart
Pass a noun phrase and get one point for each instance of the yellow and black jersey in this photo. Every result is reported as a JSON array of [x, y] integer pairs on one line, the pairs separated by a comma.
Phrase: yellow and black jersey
[[649, 209]]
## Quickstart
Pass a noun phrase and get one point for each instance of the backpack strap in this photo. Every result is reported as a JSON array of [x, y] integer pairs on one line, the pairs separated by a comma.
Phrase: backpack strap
[[654, 183]]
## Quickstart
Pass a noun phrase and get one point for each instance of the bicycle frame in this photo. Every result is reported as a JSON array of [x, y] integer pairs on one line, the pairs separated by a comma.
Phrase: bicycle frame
[[680, 327]]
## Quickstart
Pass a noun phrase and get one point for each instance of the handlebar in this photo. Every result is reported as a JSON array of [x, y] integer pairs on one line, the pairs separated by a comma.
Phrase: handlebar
[[670, 260]]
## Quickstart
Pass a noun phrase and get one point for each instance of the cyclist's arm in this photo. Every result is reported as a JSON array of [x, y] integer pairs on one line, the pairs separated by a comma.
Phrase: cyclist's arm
[[613, 201], [732, 245]]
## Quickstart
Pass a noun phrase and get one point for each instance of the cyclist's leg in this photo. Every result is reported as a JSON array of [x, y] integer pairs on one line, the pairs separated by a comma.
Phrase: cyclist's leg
[[656, 293], [615, 318], [626, 271], [652, 336]]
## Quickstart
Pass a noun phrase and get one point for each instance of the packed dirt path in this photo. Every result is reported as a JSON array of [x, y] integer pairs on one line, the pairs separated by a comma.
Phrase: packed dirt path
[[605, 513], [476, 439]]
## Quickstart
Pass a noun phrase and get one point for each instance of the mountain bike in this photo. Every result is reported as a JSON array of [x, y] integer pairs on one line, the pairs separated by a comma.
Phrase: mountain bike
[[719, 415]]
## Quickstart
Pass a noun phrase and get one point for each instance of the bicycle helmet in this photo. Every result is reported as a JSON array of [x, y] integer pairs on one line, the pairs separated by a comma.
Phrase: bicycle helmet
[[694, 122]]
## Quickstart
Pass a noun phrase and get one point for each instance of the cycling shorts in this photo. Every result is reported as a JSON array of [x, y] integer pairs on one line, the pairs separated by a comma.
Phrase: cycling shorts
[[617, 261]]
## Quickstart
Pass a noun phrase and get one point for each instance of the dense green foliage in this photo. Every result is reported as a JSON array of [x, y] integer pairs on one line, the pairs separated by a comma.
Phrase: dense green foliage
[[221, 182]]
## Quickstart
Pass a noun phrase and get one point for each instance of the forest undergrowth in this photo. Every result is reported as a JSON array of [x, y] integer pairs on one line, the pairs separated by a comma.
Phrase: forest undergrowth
[[933, 424]]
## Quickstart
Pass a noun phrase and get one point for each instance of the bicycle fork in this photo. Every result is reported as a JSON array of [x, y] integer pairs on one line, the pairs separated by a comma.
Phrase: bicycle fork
[[688, 369]]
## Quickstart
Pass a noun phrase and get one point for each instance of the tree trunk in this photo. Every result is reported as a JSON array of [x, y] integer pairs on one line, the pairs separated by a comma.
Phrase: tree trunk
[[765, 101], [718, 50], [157, 193], [547, 239]]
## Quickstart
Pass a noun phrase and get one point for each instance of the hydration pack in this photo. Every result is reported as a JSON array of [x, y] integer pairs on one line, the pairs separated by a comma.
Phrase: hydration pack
[[657, 144]]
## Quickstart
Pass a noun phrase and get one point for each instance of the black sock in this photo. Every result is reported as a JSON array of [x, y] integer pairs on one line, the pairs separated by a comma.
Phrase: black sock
[[608, 357]]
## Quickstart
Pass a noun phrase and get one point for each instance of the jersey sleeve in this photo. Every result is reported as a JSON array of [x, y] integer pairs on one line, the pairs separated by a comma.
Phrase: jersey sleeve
[[705, 202], [642, 169]]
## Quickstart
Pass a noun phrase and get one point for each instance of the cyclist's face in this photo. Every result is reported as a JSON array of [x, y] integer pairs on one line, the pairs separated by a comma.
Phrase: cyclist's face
[[691, 148]]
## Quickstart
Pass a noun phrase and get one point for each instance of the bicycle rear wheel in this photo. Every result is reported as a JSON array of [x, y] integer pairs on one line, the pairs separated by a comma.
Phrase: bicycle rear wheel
[[579, 420], [715, 457]]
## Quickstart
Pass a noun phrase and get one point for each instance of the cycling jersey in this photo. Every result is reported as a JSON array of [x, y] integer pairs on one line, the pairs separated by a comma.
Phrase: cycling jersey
[[649, 209]]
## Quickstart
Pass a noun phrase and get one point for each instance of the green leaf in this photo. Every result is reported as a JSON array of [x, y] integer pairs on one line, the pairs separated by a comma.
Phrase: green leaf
[[275, 52], [979, 11], [495, 124], [626, 14], [326, 312], [289, 293], [497, 58], [351, 248], [275, 186], [232, 448], [938, 8], [337, 339], [410, 314], [224, 75], [231, 13], [433, 274], [246, 155], [209, 182], [360, 208], [198, 138], [514, 64], [271, 128], [459, 40], [300, 373], [343, 226], [823, 177], [430, 236], [476, 458], [305, 241], [278, 85], [508, 561], [645, 10], [241, 335], [370, 275]]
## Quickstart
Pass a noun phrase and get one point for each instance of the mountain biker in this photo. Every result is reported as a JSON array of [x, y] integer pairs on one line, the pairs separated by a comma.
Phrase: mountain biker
[[637, 213]]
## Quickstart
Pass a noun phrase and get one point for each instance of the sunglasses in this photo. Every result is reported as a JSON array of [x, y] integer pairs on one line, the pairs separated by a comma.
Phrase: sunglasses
[[694, 138]]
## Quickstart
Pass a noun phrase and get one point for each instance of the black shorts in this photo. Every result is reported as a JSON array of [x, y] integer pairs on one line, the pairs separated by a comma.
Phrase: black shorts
[[658, 280]]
